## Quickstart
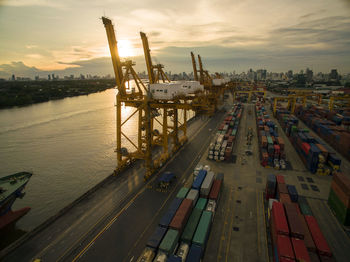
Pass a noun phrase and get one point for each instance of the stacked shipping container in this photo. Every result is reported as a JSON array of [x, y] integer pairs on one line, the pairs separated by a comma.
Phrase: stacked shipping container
[[270, 144], [327, 124], [222, 147], [315, 155], [294, 231], [339, 198], [184, 229]]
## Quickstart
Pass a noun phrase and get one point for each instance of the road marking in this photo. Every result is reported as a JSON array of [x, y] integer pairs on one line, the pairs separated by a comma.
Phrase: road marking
[[154, 217], [230, 230], [121, 211], [223, 228]]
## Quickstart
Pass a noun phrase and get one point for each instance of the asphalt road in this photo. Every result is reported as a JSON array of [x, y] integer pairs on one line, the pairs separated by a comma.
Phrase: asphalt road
[[109, 223]]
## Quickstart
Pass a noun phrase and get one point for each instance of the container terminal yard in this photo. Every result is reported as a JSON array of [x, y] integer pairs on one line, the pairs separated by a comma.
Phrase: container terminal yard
[[219, 172]]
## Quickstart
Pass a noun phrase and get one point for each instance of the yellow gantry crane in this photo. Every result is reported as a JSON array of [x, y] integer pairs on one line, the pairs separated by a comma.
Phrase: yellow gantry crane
[[292, 99], [195, 73], [332, 99], [249, 93], [145, 108]]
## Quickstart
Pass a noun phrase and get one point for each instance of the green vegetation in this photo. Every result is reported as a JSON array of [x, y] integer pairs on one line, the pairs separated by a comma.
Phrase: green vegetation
[[22, 93]]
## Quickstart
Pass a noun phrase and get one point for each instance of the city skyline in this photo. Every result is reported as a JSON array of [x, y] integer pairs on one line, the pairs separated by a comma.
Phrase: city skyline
[[45, 36]]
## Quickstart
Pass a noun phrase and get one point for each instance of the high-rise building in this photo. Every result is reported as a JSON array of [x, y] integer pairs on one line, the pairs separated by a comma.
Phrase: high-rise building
[[290, 74], [334, 75], [309, 75], [13, 77]]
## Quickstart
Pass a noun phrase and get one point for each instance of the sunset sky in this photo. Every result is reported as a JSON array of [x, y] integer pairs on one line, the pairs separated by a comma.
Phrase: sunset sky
[[67, 36]]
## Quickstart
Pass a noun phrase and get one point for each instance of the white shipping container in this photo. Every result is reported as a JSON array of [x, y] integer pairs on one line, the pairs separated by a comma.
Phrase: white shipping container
[[271, 200], [193, 194], [161, 257], [207, 183], [183, 251]]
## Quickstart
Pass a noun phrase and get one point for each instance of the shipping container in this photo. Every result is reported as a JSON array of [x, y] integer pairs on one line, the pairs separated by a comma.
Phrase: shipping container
[[284, 198], [195, 254], [147, 255], [341, 212], [203, 229], [308, 241], [293, 193], [304, 206], [182, 214], [161, 257], [193, 194], [319, 240], [293, 218], [314, 257], [342, 181], [284, 247], [279, 219], [300, 251], [201, 203], [197, 183], [344, 196], [169, 242], [280, 179], [206, 185], [215, 190], [182, 192], [168, 216], [191, 226], [156, 237], [220, 176], [174, 258], [182, 251]]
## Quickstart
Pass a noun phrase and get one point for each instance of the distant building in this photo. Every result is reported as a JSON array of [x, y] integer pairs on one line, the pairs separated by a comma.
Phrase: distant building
[[309, 75], [49, 77], [334, 75], [13, 77], [290, 74]]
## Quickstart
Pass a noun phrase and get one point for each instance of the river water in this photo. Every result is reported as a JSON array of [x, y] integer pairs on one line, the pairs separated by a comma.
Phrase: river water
[[69, 146]]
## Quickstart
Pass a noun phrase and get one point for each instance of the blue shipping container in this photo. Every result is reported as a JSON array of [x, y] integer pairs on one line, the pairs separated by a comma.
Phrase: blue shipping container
[[199, 179], [293, 193], [156, 237], [195, 254], [168, 216], [174, 258]]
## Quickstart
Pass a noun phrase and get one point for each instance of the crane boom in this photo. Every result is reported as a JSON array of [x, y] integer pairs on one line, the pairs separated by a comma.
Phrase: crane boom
[[195, 73], [148, 58], [201, 72], [117, 66]]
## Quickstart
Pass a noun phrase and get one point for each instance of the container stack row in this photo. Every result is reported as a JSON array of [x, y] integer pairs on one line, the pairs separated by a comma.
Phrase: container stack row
[[339, 198], [333, 127], [316, 156], [183, 231], [294, 231], [270, 143], [222, 146]]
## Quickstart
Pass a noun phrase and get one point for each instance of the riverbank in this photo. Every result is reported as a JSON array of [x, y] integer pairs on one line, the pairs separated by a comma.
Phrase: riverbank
[[22, 93]]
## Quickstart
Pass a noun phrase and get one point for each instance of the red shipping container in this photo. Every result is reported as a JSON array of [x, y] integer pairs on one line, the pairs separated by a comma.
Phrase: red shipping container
[[317, 236], [297, 208], [182, 214], [281, 143], [342, 181], [284, 259], [284, 198], [343, 196], [300, 250], [279, 219], [215, 190], [282, 188], [305, 147], [284, 247], [277, 149], [309, 242], [280, 179], [295, 227]]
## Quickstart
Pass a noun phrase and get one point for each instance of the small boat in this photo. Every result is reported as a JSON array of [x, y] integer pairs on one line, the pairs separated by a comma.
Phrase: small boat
[[11, 188]]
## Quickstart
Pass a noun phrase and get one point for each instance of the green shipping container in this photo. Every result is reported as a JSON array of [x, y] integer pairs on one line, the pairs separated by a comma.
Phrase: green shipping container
[[201, 203], [269, 140], [182, 192], [304, 206], [169, 241], [203, 229], [341, 212], [234, 131], [191, 225]]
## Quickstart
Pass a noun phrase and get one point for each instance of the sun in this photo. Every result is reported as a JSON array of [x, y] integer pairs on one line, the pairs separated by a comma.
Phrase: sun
[[125, 48]]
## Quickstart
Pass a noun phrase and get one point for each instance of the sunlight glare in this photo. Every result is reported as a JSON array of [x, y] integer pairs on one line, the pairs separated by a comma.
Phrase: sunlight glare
[[125, 48]]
